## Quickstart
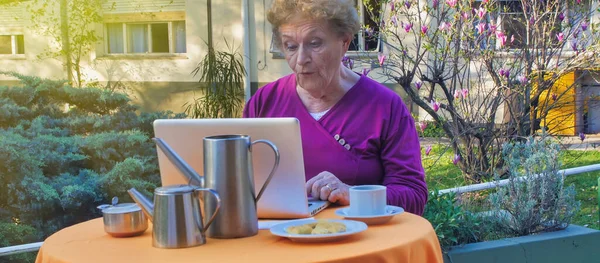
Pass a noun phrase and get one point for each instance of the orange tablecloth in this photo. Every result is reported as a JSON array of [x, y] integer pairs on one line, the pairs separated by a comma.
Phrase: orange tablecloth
[[406, 238]]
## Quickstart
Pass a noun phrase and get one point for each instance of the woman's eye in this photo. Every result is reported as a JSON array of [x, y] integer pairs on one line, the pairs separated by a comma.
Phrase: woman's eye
[[291, 47], [315, 44]]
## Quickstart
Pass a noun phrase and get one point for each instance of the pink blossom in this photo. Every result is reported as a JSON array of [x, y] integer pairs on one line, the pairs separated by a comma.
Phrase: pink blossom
[[407, 4], [501, 37], [465, 92], [554, 96], [366, 71], [574, 44], [584, 25], [435, 105], [428, 150], [560, 36], [435, 4], [392, 6], [578, 1], [532, 20], [394, 21], [424, 29], [512, 39], [445, 26], [493, 29], [407, 27], [561, 16], [522, 79], [465, 15], [456, 159], [381, 58], [423, 126], [456, 94], [418, 85], [504, 72], [582, 136], [480, 12], [481, 28], [451, 3]]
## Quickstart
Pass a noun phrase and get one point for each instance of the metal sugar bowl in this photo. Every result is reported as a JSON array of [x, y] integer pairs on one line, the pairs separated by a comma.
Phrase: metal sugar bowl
[[123, 220]]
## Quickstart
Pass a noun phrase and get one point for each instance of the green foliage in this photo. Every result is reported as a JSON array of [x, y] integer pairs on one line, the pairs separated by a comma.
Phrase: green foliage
[[14, 233], [452, 223], [223, 96], [58, 162], [535, 198]]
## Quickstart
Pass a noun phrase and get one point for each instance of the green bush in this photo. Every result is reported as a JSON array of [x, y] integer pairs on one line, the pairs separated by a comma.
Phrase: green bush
[[57, 164], [453, 224], [536, 198]]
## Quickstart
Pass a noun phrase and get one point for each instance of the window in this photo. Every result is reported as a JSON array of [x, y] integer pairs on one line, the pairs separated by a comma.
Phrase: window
[[12, 44], [512, 21], [367, 39], [149, 37]]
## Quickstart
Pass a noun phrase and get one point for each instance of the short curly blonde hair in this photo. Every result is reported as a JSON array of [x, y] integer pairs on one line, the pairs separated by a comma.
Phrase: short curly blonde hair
[[341, 15]]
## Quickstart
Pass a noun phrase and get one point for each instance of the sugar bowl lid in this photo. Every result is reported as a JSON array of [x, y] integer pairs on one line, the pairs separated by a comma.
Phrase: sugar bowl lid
[[121, 208]]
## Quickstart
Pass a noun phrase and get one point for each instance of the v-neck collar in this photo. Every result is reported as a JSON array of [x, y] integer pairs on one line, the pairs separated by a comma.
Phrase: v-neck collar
[[332, 109]]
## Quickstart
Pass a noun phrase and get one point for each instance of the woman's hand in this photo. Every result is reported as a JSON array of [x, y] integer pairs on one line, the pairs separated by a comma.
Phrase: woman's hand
[[326, 186]]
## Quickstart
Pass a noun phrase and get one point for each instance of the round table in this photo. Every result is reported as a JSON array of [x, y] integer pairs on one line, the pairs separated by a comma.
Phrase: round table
[[406, 238]]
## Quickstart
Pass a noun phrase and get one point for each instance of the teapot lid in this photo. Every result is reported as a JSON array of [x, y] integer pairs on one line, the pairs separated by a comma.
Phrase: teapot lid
[[174, 189]]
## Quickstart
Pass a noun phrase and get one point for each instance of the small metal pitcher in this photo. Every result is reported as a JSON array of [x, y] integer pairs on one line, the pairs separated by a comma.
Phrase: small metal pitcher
[[176, 215], [228, 170]]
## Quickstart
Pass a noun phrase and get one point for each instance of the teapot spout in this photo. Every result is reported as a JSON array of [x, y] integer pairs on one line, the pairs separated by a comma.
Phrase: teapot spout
[[145, 203], [188, 172]]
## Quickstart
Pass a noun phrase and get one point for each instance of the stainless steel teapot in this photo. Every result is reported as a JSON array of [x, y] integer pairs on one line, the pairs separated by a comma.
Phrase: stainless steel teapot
[[228, 170], [176, 215]]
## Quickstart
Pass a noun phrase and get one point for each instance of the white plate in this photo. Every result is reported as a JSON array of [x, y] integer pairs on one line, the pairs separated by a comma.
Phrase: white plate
[[352, 227], [390, 211]]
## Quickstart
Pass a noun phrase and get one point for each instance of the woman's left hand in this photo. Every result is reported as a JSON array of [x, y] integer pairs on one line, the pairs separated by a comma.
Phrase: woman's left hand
[[326, 186]]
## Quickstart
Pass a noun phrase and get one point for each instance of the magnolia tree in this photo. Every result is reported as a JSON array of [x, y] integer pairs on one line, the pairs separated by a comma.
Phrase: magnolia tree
[[481, 69]]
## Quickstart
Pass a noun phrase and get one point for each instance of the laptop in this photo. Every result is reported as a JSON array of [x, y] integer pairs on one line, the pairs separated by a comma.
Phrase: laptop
[[285, 197]]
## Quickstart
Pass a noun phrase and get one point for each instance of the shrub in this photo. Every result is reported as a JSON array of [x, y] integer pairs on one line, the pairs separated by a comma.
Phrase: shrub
[[535, 198], [57, 164], [452, 223]]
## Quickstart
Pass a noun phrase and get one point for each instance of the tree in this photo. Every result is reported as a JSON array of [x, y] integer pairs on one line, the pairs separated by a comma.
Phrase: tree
[[461, 61], [72, 29]]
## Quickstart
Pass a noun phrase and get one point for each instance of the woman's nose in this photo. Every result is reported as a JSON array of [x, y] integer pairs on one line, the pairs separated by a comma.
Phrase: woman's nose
[[303, 55]]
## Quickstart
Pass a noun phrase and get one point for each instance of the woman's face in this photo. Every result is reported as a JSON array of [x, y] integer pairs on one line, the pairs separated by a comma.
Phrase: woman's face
[[314, 52]]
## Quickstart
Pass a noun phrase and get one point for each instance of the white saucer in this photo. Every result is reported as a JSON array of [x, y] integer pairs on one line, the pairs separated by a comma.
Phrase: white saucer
[[390, 211], [352, 227]]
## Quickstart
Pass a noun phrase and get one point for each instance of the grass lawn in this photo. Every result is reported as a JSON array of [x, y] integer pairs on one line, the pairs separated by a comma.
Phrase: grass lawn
[[442, 174]]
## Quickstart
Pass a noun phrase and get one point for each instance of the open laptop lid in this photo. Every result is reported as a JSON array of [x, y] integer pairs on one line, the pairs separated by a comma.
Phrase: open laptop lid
[[284, 197]]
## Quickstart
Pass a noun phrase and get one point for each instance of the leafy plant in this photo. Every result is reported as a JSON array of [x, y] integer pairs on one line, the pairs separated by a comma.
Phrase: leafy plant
[[452, 223], [222, 77], [535, 198]]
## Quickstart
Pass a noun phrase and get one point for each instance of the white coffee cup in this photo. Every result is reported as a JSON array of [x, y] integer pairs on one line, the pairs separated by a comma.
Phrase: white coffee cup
[[367, 200]]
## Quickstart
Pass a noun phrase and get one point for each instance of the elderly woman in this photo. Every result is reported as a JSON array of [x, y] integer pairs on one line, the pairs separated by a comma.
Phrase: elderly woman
[[355, 131]]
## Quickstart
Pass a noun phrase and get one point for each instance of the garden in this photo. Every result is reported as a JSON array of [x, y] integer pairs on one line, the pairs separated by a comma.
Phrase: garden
[[67, 150]]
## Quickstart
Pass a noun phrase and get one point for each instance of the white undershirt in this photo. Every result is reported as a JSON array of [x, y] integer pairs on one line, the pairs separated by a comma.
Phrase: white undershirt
[[318, 115]]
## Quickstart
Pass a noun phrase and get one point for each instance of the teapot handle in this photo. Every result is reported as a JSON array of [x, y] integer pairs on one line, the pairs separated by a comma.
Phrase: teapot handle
[[270, 144], [216, 195]]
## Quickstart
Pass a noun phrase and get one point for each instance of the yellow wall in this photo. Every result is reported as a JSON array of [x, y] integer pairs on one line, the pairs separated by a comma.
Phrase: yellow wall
[[561, 113]]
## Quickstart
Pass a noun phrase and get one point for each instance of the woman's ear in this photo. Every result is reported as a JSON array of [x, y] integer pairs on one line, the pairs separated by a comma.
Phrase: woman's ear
[[347, 39]]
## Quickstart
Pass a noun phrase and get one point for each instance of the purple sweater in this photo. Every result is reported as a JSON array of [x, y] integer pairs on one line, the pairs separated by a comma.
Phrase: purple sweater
[[383, 145]]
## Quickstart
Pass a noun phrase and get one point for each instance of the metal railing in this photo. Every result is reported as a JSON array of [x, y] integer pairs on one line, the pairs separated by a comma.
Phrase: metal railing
[[5, 251], [31, 247]]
